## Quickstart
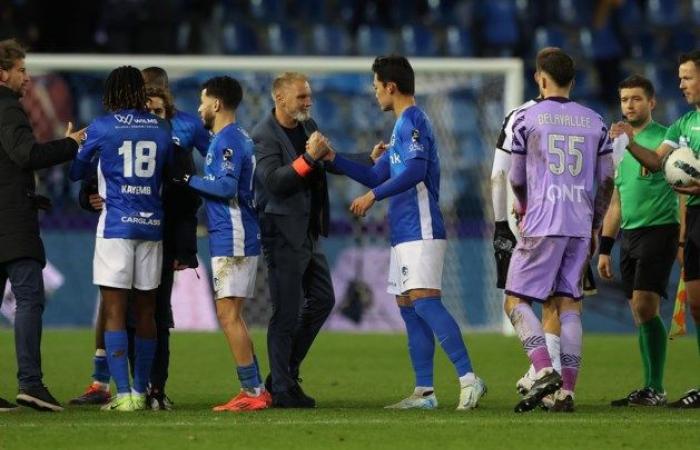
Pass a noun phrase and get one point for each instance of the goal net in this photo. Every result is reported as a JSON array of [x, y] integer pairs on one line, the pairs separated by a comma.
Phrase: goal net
[[465, 99]]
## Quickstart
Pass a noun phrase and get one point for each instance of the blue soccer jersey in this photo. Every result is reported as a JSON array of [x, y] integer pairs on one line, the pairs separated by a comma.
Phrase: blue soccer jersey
[[227, 189], [131, 149], [415, 214], [189, 132]]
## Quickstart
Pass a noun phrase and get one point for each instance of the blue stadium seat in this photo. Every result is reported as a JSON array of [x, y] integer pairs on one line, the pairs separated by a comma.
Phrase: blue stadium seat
[[459, 42], [284, 39], [683, 40], [316, 11], [418, 40], [548, 37], [575, 12], [664, 78], [601, 43], [326, 112], [664, 13], [695, 14], [240, 38], [268, 10], [330, 40], [646, 46], [374, 40], [500, 23]]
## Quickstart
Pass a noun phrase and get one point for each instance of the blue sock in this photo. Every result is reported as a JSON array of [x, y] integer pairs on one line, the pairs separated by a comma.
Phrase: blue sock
[[100, 369], [117, 348], [421, 346], [143, 361], [447, 332], [248, 377], [257, 371]]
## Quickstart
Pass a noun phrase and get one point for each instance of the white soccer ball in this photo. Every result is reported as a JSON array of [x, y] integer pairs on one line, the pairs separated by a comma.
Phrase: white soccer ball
[[681, 167]]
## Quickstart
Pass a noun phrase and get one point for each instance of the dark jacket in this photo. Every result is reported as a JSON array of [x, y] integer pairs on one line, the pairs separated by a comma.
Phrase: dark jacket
[[180, 205], [20, 156], [280, 192]]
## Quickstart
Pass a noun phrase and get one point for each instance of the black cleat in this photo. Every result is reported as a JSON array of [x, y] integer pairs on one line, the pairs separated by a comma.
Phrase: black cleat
[[38, 398], [691, 400], [6, 406], [649, 397], [93, 395], [293, 397], [157, 400], [548, 384], [626, 401], [563, 404]]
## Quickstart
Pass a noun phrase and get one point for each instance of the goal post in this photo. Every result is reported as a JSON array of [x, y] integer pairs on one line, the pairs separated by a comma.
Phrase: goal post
[[466, 100]]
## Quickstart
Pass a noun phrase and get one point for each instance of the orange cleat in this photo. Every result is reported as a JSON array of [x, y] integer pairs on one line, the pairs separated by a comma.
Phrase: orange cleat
[[244, 402], [267, 396], [93, 395]]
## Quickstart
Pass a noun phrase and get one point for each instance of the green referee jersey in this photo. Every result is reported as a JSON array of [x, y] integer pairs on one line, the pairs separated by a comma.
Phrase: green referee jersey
[[645, 197], [686, 132]]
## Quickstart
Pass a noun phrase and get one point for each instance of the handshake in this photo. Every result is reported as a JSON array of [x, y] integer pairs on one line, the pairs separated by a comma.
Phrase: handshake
[[319, 148]]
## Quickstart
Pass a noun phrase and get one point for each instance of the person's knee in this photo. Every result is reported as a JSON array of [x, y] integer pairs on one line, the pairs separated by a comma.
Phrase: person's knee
[[645, 306]]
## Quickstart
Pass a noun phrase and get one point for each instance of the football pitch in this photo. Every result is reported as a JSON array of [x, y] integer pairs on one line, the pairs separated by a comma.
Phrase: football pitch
[[352, 376]]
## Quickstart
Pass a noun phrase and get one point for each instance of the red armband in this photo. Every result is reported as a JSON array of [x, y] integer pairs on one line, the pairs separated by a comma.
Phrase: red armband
[[301, 167]]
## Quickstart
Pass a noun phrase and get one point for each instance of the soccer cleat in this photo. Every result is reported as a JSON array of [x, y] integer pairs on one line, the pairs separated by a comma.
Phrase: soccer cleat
[[6, 406], [158, 401], [121, 403], [691, 400], [524, 384], [626, 401], [93, 395], [244, 402], [548, 401], [417, 401], [38, 398], [563, 402], [546, 384], [267, 397], [648, 397], [470, 394], [138, 401]]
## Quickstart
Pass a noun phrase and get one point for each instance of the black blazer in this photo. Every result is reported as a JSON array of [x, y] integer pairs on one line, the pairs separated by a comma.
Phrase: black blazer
[[280, 192], [20, 156]]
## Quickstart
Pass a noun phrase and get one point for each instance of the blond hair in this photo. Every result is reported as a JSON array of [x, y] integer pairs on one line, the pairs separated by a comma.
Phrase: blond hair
[[10, 52], [285, 79]]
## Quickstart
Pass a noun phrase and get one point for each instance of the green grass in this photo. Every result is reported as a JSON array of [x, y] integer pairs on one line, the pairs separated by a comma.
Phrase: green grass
[[352, 376]]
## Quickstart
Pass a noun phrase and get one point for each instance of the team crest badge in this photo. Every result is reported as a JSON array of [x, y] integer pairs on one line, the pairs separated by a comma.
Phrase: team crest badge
[[228, 154]]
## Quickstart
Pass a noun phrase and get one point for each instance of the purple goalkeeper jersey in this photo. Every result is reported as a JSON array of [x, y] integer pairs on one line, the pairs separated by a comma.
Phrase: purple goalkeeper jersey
[[561, 153]]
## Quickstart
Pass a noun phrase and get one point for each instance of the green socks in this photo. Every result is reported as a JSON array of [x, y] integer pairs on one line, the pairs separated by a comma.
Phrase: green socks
[[653, 341], [645, 358]]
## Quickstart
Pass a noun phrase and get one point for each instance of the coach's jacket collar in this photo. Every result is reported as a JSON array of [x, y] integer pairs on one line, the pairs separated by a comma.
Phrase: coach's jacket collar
[[282, 136], [7, 92]]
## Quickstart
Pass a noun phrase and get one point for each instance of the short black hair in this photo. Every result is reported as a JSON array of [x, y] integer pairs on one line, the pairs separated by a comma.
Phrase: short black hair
[[228, 90], [693, 56], [156, 76], [10, 52], [638, 81], [124, 89], [395, 69], [557, 64]]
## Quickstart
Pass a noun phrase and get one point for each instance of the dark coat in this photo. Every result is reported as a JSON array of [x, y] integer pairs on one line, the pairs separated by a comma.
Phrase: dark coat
[[20, 156]]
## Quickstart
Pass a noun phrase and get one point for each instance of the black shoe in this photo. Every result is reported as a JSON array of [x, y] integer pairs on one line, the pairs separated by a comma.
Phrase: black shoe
[[268, 383], [564, 404], [546, 385], [293, 397], [649, 397], [38, 398], [156, 400], [691, 400], [626, 401], [6, 406]]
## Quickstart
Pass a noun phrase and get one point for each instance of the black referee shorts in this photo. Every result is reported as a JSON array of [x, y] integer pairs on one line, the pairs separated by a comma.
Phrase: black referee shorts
[[646, 258], [691, 252]]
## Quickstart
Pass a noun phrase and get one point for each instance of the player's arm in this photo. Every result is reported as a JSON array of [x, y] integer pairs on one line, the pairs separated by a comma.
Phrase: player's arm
[[282, 179], [605, 180], [649, 158], [370, 177], [224, 184], [85, 161], [611, 226]]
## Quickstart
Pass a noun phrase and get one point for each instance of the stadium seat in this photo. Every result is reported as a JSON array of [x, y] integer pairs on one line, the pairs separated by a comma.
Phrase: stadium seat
[[682, 41], [459, 42], [418, 40], [548, 37], [240, 39], [664, 13], [664, 78], [500, 23], [330, 40], [327, 112], [600, 43], [374, 40], [284, 39], [575, 13], [269, 10]]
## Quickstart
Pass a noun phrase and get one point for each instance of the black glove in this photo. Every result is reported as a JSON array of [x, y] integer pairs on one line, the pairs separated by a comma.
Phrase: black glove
[[503, 244]]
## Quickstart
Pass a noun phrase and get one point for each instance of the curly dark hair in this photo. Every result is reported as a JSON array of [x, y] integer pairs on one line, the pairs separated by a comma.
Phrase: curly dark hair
[[124, 89], [168, 103]]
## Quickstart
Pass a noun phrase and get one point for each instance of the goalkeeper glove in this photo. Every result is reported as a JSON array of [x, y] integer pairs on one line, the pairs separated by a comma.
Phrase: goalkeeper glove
[[503, 244]]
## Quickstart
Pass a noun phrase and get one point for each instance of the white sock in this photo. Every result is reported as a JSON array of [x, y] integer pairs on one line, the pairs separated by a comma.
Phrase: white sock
[[100, 353], [422, 390], [554, 350], [100, 385], [467, 379], [135, 392], [531, 373]]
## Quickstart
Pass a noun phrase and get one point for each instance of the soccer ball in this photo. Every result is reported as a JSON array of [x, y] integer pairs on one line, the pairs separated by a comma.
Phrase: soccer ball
[[681, 167]]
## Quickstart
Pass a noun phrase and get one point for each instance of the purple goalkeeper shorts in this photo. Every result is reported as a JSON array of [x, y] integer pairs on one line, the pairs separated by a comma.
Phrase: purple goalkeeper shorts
[[546, 266]]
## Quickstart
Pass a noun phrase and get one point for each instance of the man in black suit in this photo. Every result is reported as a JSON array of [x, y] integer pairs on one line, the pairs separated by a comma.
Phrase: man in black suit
[[292, 199]]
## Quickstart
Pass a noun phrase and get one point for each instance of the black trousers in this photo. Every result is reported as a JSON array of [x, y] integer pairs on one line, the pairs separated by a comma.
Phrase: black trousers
[[27, 283], [302, 297]]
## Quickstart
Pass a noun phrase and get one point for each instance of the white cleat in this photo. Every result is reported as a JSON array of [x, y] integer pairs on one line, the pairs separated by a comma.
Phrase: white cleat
[[525, 384], [416, 401], [470, 394]]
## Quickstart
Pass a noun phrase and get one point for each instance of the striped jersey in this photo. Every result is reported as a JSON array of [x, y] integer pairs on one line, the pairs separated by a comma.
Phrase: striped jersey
[[415, 213], [228, 193]]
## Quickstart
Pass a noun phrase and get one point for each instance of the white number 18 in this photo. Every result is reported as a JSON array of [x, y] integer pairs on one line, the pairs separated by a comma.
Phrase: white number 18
[[145, 163]]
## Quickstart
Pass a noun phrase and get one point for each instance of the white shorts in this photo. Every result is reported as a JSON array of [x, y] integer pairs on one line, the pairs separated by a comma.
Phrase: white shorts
[[127, 263], [416, 265], [234, 276]]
